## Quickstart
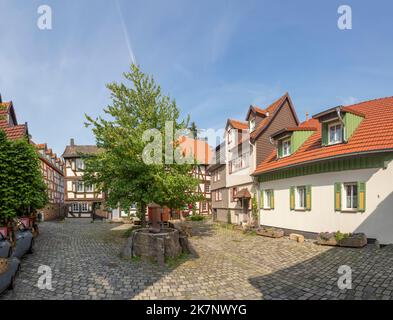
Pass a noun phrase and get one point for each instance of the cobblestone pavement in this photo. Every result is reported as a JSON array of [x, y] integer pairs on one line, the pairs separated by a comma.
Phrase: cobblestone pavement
[[86, 264]]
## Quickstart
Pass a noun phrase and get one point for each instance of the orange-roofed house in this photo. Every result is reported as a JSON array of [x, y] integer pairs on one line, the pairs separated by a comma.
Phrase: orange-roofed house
[[200, 150], [246, 144], [331, 173]]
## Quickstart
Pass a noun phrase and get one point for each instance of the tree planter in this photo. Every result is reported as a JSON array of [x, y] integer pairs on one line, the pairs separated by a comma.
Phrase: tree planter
[[270, 232], [327, 239], [357, 240]]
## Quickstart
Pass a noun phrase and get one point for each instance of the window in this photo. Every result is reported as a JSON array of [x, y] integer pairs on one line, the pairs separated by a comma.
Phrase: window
[[351, 196], [301, 197], [80, 186], [219, 192], [207, 188], [204, 206], [252, 125], [89, 188], [335, 133], [216, 176], [75, 207], [286, 148], [234, 192], [84, 207], [239, 163], [267, 199], [80, 164], [230, 136]]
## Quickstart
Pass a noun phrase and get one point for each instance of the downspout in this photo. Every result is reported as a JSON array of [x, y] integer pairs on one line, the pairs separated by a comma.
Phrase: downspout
[[338, 110]]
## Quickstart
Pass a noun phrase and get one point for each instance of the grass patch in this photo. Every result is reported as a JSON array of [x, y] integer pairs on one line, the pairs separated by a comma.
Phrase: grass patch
[[174, 262], [195, 218], [130, 231]]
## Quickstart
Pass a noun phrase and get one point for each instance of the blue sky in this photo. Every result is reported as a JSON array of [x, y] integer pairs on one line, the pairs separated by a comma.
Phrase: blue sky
[[214, 57]]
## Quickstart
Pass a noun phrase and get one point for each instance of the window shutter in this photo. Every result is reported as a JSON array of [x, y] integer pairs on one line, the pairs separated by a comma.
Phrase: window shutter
[[361, 196], [325, 133], [271, 199], [337, 196], [308, 197], [262, 199], [292, 198], [279, 149]]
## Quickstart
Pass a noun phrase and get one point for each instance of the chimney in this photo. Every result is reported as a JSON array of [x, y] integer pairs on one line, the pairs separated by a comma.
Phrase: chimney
[[72, 143], [307, 115]]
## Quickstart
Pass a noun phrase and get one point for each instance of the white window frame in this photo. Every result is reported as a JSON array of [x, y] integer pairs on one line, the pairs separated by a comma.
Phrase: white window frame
[[84, 207], [288, 143], [298, 196], [335, 124], [75, 207], [80, 186], [354, 199], [89, 188], [267, 199], [79, 164]]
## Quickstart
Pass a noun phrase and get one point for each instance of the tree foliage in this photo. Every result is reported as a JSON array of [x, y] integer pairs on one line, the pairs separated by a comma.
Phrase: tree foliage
[[22, 189], [119, 170]]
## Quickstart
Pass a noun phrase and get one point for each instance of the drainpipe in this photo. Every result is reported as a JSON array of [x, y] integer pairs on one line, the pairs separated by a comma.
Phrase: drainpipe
[[338, 110]]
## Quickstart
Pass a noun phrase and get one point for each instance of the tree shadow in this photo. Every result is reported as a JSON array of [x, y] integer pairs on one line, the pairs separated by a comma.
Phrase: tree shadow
[[317, 278]]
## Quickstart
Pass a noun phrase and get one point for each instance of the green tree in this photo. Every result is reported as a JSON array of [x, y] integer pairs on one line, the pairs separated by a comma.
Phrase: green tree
[[22, 189], [120, 170], [194, 130]]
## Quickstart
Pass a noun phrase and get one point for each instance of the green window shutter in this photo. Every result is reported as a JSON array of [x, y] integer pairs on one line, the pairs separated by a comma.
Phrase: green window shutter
[[325, 133], [361, 196], [337, 196], [261, 202], [272, 199], [308, 197], [292, 198], [279, 149]]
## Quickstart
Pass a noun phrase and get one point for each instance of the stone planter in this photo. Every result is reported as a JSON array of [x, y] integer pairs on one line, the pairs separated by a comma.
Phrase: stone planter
[[357, 240], [270, 232], [326, 239]]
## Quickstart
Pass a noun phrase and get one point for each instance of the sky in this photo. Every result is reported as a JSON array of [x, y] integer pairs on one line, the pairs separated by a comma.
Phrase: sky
[[215, 58]]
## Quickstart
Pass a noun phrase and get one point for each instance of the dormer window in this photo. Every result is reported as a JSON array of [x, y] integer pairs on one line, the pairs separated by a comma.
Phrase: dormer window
[[335, 133], [252, 124], [286, 147]]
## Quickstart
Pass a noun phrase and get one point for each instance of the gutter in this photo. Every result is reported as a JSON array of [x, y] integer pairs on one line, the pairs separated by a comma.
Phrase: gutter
[[325, 159]]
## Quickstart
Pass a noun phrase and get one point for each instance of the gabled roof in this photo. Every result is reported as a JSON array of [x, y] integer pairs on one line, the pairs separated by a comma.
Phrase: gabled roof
[[236, 124], [271, 111], [256, 110], [76, 150], [16, 132], [374, 134], [7, 108]]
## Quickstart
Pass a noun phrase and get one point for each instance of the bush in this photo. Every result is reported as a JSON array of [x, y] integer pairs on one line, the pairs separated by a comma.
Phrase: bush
[[196, 218]]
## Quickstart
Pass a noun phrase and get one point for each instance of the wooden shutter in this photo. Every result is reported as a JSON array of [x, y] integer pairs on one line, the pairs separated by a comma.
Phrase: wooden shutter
[[308, 198], [361, 196], [337, 196], [279, 149], [325, 133], [262, 199], [271, 199], [292, 198]]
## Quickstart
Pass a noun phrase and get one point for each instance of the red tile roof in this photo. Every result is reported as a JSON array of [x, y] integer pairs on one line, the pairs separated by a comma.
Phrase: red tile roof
[[375, 133], [240, 125], [16, 132], [199, 149]]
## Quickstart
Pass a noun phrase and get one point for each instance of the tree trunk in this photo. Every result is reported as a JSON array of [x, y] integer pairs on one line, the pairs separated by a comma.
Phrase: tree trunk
[[142, 213]]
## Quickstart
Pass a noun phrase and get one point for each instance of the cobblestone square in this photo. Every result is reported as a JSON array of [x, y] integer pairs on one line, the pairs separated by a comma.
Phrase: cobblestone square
[[86, 264]]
